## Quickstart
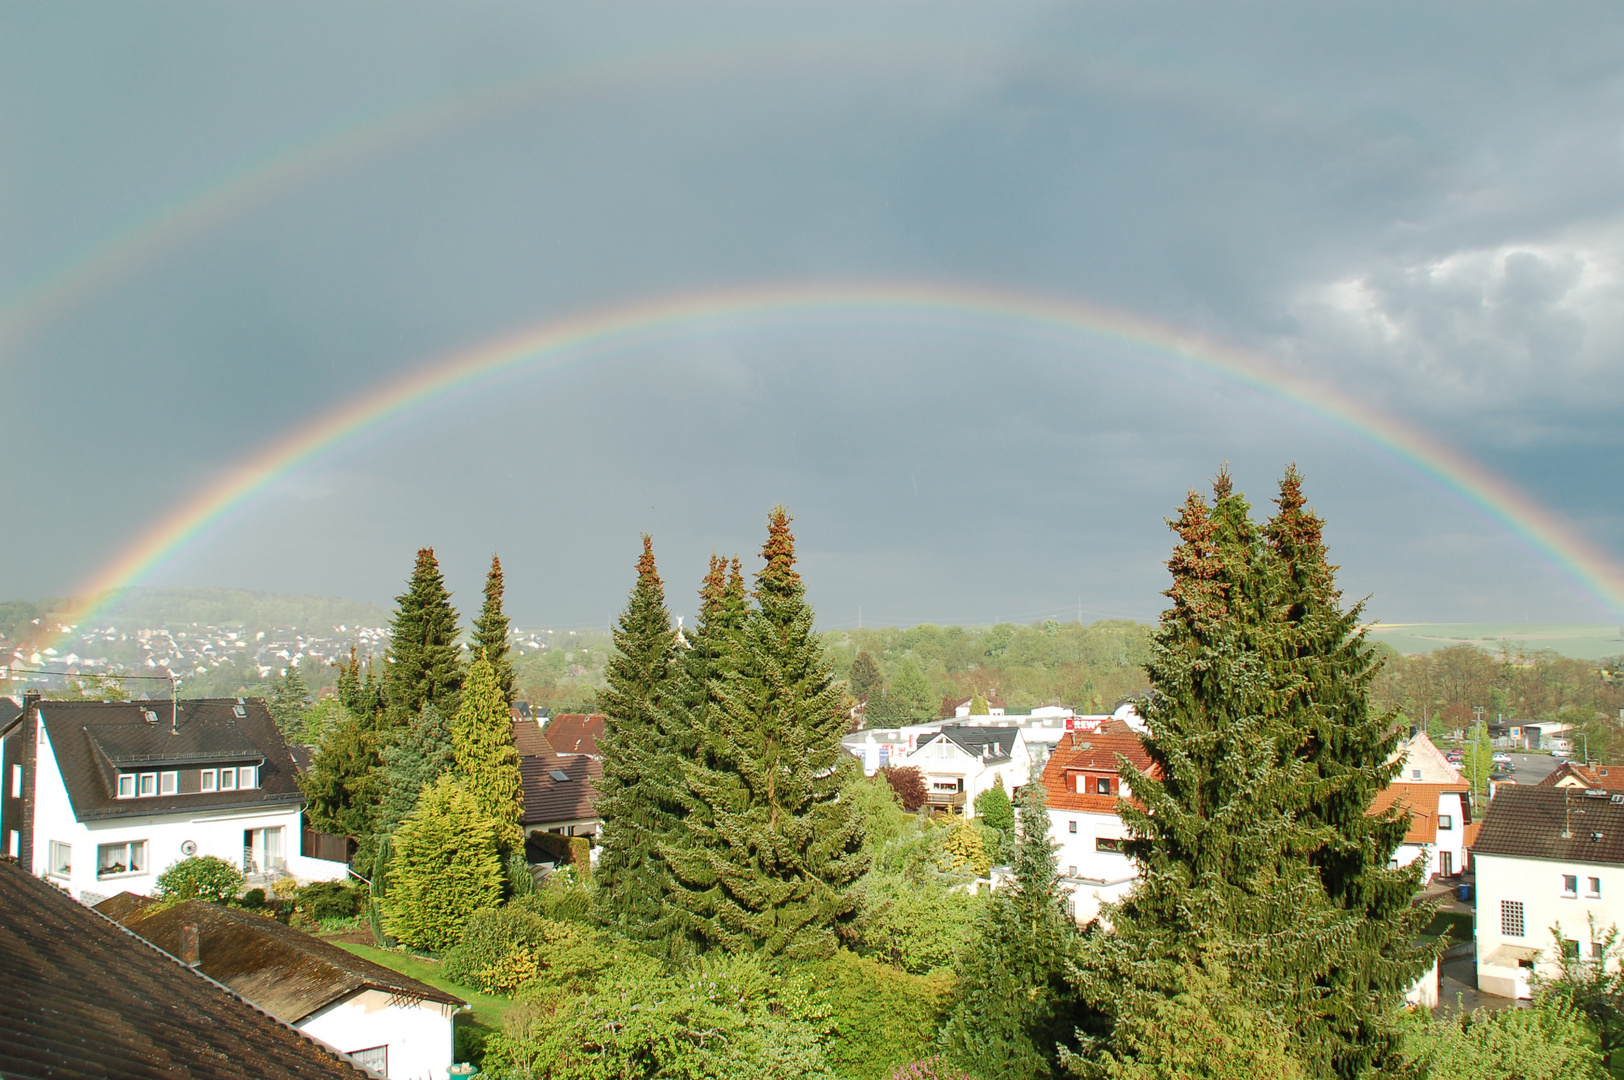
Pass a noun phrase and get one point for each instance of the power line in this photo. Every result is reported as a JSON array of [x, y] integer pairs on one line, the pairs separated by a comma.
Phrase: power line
[[92, 675]]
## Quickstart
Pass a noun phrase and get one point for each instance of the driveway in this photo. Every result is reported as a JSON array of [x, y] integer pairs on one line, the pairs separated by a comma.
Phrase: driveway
[[1532, 768]]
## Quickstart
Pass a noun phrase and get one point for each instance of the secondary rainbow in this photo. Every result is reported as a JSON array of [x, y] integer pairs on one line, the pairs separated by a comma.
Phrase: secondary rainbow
[[604, 333]]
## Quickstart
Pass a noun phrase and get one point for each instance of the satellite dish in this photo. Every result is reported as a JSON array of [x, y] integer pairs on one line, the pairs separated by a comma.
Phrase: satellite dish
[[188, 848]]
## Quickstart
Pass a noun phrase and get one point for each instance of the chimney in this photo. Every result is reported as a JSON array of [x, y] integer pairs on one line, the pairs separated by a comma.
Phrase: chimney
[[30, 698], [189, 953]]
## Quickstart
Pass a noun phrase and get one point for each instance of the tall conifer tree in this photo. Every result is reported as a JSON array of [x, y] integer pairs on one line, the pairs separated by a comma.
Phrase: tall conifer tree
[[1012, 1002], [425, 664], [491, 631], [1222, 827], [638, 797], [768, 862], [418, 760], [289, 699], [487, 760]]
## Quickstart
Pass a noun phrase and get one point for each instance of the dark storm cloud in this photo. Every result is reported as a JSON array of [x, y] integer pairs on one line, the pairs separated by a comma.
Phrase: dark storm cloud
[[1420, 208]]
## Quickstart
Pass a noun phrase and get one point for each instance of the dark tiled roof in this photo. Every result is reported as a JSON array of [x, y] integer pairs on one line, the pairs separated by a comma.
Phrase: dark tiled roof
[[575, 733], [1564, 824], [1095, 752], [284, 971], [85, 999], [120, 907], [548, 799], [91, 738], [997, 742], [529, 740]]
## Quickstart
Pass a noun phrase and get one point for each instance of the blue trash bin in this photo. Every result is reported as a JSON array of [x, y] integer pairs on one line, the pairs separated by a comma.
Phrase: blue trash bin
[[1463, 893]]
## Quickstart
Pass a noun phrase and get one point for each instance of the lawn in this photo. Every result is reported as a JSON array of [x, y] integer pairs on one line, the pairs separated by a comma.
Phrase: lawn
[[488, 1009]]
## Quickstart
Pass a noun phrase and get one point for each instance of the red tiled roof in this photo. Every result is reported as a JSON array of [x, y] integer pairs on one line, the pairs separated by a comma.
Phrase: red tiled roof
[[549, 800], [1421, 800], [529, 740], [1096, 752], [1587, 776], [575, 733]]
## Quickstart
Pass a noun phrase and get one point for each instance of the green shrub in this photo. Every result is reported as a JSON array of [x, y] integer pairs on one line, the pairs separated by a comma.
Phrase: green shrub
[[1547, 1042], [324, 900], [202, 877], [727, 1019], [563, 896], [253, 899], [445, 868], [573, 851], [504, 949], [489, 936], [882, 1018], [915, 923]]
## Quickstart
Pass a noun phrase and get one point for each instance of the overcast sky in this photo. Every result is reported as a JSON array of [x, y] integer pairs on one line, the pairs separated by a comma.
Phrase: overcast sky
[[1420, 206]]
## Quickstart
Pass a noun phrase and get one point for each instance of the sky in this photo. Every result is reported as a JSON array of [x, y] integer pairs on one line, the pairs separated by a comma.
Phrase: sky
[[220, 224]]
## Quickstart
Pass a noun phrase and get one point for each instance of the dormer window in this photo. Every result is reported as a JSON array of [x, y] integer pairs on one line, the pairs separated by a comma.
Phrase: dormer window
[[228, 779], [126, 786], [149, 785], [209, 780], [168, 783]]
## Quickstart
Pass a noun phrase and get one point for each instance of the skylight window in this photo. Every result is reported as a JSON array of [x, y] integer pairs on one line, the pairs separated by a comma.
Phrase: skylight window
[[560, 775]]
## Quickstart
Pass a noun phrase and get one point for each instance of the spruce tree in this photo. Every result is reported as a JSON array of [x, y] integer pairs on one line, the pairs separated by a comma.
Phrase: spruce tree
[[425, 664], [487, 762], [865, 680], [418, 760], [776, 849], [358, 689], [341, 785], [491, 631], [444, 866], [1350, 747], [1224, 826], [1012, 1004], [638, 797], [289, 699]]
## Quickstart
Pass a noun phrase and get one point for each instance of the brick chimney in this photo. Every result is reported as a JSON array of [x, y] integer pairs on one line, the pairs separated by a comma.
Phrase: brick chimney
[[189, 952]]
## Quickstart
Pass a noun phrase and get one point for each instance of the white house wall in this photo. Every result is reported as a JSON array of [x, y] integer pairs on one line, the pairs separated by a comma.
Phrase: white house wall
[[1093, 876], [217, 832], [1537, 884], [418, 1033]]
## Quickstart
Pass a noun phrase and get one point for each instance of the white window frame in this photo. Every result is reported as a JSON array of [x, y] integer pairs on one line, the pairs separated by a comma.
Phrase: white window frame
[[208, 780], [228, 779], [14, 844], [169, 783], [1595, 888], [128, 861], [126, 785], [1446, 821], [1570, 885], [149, 785], [247, 777], [17, 780], [65, 851]]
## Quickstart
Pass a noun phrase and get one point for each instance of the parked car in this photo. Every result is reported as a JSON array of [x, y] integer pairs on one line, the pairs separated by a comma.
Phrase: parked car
[[1502, 758], [1455, 757]]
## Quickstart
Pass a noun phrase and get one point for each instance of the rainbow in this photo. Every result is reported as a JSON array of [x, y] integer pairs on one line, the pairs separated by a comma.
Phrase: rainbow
[[553, 344]]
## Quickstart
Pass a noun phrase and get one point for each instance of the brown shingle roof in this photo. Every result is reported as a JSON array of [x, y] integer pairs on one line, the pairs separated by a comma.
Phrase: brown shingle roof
[[1097, 753], [1564, 824], [91, 739], [575, 733], [529, 740], [548, 800], [284, 971], [83, 998]]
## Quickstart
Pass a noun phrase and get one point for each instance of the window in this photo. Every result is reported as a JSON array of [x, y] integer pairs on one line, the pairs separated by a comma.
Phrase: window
[[16, 781], [248, 776], [1415, 774], [208, 779], [262, 851], [1570, 884], [1595, 887], [1108, 843], [61, 864], [1071, 826], [1071, 871], [168, 783], [1598, 951], [1446, 821], [1570, 949], [374, 1060], [1102, 785], [149, 784], [126, 858], [1511, 918], [14, 844], [228, 779], [126, 786]]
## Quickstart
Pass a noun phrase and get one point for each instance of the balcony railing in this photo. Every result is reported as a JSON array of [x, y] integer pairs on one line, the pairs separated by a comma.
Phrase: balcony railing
[[945, 798]]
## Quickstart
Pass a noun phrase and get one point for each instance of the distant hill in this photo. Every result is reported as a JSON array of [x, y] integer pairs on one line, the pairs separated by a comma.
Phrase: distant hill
[[174, 607], [1581, 641]]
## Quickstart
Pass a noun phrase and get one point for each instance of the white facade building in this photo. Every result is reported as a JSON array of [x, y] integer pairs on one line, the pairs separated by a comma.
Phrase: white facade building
[[1545, 857], [101, 797], [960, 761], [1082, 783]]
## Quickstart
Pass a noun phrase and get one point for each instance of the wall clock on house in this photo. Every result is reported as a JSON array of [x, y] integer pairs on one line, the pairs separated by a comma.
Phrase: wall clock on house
[[188, 848]]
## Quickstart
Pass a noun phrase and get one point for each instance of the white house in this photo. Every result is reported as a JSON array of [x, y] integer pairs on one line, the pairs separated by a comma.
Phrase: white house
[[1545, 857], [1083, 782], [960, 761], [100, 797], [1439, 815], [390, 1024]]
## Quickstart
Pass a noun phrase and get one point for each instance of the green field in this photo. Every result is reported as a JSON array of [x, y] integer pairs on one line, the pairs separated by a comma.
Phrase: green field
[[1579, 641]]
